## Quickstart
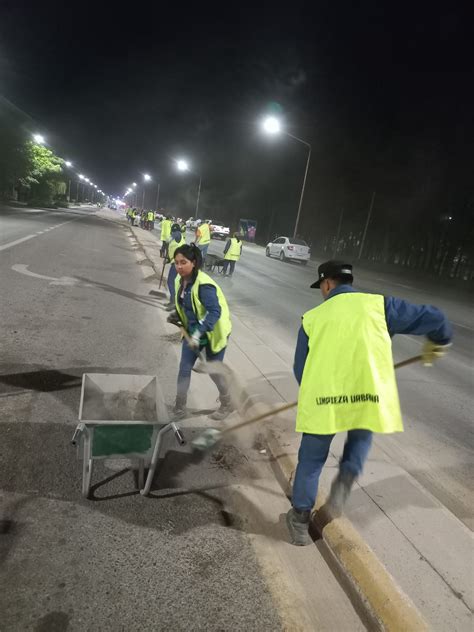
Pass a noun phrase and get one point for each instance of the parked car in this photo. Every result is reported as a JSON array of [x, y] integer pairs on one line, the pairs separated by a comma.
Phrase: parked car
[[289, 248], [219, 232]]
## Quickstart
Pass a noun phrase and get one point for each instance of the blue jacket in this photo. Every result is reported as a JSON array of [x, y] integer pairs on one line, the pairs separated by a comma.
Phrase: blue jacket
[[402, 318], [208, 297]]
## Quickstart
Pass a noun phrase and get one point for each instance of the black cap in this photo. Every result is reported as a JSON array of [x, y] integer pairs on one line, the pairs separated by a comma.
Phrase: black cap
[[175, 227], [334, 270]]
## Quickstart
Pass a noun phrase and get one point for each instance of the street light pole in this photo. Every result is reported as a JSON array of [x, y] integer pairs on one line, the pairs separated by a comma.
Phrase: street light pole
[[198, 196], [157, 197], [143, 199], [366, 225], [304, 180]]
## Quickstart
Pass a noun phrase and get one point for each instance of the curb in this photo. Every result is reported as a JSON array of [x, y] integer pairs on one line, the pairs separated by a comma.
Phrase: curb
[[385, 604]]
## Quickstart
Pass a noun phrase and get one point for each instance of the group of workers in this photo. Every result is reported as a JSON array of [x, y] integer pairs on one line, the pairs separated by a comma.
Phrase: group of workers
[[343, 363]]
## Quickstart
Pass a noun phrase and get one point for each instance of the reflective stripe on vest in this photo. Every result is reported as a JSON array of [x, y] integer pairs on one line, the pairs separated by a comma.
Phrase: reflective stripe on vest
[[235, 248], [172, 246], [204, 234], [165, 229], [218, 336], [348, 379]]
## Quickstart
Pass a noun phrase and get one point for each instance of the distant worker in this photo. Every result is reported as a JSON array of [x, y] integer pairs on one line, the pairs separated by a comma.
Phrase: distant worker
[[151, 220], [165, 234], [232, 253], [134, 216], [202, 309], [175, 242], [203, 238], [344, 365]]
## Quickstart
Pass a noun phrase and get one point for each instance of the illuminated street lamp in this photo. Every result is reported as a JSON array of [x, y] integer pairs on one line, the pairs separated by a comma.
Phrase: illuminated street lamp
[[183, 165], [68, 163], [39, 139], [272, 126]]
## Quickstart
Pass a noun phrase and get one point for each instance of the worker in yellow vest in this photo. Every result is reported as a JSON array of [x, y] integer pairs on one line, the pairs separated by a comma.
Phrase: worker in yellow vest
[[232, 253], [344, 365], [165, 234], [177, 239], [202, 309], [151, 220], [203, 238]]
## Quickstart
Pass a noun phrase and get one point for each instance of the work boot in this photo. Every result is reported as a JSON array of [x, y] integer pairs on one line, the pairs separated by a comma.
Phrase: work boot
[[179, 410], [224, 410], [298, 526], [340, 490], [170, 306]]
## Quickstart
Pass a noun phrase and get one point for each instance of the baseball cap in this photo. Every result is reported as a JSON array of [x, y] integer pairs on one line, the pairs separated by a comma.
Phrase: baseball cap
[[333, 270]]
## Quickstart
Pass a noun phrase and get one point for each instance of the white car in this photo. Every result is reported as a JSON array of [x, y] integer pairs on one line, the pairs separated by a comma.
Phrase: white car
[[289, 248], [219, 232]]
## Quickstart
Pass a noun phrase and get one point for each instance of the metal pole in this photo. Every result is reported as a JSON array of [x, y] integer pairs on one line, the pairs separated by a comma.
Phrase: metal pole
[[197, 201], [69, 191], [143, 199], [302, 189], [338, 234], [366, 225], [77, 192], [157, 196]]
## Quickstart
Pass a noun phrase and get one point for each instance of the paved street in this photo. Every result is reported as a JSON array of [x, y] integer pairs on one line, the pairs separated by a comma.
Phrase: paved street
[[207, 550]]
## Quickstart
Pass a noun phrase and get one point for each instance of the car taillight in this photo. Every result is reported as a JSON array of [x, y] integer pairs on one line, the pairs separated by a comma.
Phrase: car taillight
[[291, 247]]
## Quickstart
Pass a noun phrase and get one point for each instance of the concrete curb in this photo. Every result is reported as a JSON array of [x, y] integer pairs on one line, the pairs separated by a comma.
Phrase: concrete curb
[[385, 604]]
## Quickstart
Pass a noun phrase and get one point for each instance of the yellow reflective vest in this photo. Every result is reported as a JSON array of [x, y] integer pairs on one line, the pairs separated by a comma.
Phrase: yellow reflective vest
[[348, 379], [173, 245], [218, 336], [150, 216], [165, 229], [235, 250], [204, 234]]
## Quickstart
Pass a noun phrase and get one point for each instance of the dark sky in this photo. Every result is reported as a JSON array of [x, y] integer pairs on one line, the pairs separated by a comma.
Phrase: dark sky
[[384, 95]]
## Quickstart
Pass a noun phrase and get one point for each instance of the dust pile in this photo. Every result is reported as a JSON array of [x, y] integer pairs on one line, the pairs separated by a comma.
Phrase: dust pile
[[120, 406]]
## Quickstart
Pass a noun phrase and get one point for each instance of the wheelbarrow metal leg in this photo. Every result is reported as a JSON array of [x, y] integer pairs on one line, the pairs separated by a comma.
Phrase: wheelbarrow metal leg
[[154, 460]]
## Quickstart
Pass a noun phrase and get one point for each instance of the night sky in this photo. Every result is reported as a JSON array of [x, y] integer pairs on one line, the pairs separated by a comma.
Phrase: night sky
[[384, 96]]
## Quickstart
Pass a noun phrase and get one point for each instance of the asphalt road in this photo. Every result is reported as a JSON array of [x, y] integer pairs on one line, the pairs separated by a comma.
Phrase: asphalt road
[[437, 446], [74, 300]]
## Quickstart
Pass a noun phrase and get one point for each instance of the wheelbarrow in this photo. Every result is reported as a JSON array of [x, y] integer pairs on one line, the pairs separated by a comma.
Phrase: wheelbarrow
[[122, 416]]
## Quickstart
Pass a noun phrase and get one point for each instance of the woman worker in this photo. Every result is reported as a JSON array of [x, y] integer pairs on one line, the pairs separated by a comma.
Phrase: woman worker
[[232, 253], [177, 239], [202, 309]]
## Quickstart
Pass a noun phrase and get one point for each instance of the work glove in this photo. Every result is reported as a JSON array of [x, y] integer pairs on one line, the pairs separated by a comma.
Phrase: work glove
[[173, 319], [195, 341], [432, 351]]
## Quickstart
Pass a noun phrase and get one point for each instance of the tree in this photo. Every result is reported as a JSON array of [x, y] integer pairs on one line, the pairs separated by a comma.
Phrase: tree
[[42, 175]]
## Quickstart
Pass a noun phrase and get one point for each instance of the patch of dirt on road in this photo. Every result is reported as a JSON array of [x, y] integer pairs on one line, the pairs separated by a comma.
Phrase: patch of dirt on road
[[228, 457]]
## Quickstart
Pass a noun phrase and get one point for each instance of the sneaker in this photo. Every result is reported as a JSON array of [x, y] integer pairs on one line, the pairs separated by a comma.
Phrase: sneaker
[[340, 490], [179, 410], [298, 526], [223, 411], [170, 307]]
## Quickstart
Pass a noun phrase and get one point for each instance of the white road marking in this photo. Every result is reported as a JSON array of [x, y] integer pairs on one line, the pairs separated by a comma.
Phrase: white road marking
[[463, 326], [22, 239], [17, 241], [23, 269]]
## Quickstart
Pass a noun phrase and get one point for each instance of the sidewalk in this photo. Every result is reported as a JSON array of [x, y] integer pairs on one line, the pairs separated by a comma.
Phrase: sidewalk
[[426, 549]]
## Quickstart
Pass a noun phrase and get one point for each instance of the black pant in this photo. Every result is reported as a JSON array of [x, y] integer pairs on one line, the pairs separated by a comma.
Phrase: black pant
[[226, 265]]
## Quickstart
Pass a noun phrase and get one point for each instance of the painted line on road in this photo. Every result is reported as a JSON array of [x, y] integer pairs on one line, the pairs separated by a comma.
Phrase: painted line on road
[[22, 239], [17, 241], [463, 326]]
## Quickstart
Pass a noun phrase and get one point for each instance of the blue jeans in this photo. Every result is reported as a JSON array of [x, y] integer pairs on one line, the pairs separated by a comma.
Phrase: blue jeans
[[188, 360], [312, 455], [171, 278], [203, 250]]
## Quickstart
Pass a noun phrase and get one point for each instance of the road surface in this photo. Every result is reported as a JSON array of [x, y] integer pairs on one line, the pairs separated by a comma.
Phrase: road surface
[[208, 549]]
